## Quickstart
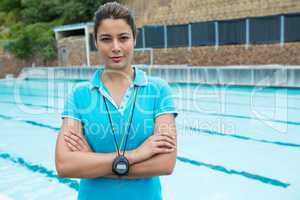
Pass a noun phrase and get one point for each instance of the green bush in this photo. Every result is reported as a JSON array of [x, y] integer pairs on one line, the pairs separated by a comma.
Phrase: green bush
[[28, 25], [35, 40]]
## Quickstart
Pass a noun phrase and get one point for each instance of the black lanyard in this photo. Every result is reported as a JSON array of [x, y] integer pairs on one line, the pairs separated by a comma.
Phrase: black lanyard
[[126, 130]]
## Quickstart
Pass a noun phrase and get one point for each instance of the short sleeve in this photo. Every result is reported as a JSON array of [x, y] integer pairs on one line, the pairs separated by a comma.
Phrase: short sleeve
[[165, 102], [70, 107]]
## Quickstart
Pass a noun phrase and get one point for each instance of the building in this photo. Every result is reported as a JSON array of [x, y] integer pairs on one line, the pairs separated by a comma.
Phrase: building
[[202, 32]]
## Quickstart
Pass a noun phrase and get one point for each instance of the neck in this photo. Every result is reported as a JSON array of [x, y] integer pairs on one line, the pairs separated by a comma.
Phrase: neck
[[118, 76]]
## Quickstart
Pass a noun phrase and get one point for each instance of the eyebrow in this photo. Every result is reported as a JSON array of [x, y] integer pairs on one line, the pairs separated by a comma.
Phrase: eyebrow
[[124, 34], [108, 35]]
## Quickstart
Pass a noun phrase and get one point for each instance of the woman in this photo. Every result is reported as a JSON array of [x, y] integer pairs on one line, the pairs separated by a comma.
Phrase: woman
[[118, 133]]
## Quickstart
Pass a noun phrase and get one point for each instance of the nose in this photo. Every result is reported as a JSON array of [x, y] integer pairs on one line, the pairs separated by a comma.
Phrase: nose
[[116, 46]]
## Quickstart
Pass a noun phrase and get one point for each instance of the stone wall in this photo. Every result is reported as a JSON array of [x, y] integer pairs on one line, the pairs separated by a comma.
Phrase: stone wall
[[289, 54], [72, 51], [9, 64], [186, 11], [209, 56]]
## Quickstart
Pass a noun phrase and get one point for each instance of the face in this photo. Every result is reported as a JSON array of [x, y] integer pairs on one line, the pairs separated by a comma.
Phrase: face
[[115, 43]]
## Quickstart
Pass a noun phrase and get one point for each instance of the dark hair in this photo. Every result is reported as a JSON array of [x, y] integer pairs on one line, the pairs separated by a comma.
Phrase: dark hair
[[113, 10]]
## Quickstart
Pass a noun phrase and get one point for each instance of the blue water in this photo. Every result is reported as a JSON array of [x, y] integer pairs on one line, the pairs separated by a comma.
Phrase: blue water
[[234, 142]]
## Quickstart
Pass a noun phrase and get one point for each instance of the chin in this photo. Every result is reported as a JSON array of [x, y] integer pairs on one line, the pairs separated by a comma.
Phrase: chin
[[117, 66]]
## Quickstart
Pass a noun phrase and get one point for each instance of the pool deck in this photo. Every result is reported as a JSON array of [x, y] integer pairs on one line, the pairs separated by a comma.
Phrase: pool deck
[[246, 75], [3, 197]]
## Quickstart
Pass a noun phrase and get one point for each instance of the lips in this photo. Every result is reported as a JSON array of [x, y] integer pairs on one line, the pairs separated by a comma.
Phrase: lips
[[116, 59]]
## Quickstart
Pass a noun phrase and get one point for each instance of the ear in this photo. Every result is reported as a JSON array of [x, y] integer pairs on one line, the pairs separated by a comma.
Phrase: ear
[[96, 45]]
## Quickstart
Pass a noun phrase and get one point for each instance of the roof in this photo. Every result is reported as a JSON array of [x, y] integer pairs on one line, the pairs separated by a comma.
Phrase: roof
[[69, 27]]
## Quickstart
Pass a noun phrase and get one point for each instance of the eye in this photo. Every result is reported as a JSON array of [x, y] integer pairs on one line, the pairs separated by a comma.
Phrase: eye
[[124, 38], [105, 39]]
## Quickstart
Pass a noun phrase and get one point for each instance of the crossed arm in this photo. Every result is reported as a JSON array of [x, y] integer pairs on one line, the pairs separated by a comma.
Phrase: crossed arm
[[156, 156]]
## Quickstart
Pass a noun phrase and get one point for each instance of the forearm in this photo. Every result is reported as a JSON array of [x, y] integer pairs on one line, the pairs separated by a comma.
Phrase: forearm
[[158, 165], [84, 164], [161, 164], [88, 164]]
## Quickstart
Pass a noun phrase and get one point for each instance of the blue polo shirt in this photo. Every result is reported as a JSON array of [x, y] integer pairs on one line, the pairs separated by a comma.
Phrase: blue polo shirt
[[85, 103]]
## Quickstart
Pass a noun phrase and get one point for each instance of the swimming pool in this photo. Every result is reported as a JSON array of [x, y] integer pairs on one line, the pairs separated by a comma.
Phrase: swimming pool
[[233, 142]]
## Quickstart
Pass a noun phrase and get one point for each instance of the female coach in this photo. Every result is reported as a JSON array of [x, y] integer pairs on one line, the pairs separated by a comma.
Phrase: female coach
[[118, 133]]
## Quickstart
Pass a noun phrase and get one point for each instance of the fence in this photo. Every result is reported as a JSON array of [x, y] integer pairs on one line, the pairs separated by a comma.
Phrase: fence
[[246, 31]]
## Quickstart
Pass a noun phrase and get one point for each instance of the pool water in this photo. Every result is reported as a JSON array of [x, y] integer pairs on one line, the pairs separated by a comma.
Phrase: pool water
[[234, 142]]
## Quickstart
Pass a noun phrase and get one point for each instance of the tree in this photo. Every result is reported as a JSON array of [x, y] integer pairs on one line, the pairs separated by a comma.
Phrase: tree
[[35, 11], [8, 5], [33, 41], [79, 10], [28, 25]]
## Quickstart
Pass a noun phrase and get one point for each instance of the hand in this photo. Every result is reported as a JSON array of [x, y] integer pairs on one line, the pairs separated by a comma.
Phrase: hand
[[156, 144], [76, 142]]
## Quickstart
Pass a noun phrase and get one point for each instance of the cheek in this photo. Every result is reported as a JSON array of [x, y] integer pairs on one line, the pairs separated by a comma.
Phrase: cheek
[[103, 51], [129, 49]]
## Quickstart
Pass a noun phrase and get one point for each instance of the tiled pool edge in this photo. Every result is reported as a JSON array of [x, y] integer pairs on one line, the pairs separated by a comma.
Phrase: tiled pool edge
[[250, 75]]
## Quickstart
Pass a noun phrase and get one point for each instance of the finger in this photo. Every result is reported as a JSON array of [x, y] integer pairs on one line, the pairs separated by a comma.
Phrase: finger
[[77, 139], [82, 142], [72, 142], [71, 147], [73, 133], [165, 144], [78, 136], [171, 136], [167, 139], [168, 136], [163, 150], [164, 138]]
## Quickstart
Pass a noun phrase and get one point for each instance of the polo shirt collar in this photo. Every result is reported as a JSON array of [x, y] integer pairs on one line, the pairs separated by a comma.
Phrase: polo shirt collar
[[140, 78]]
